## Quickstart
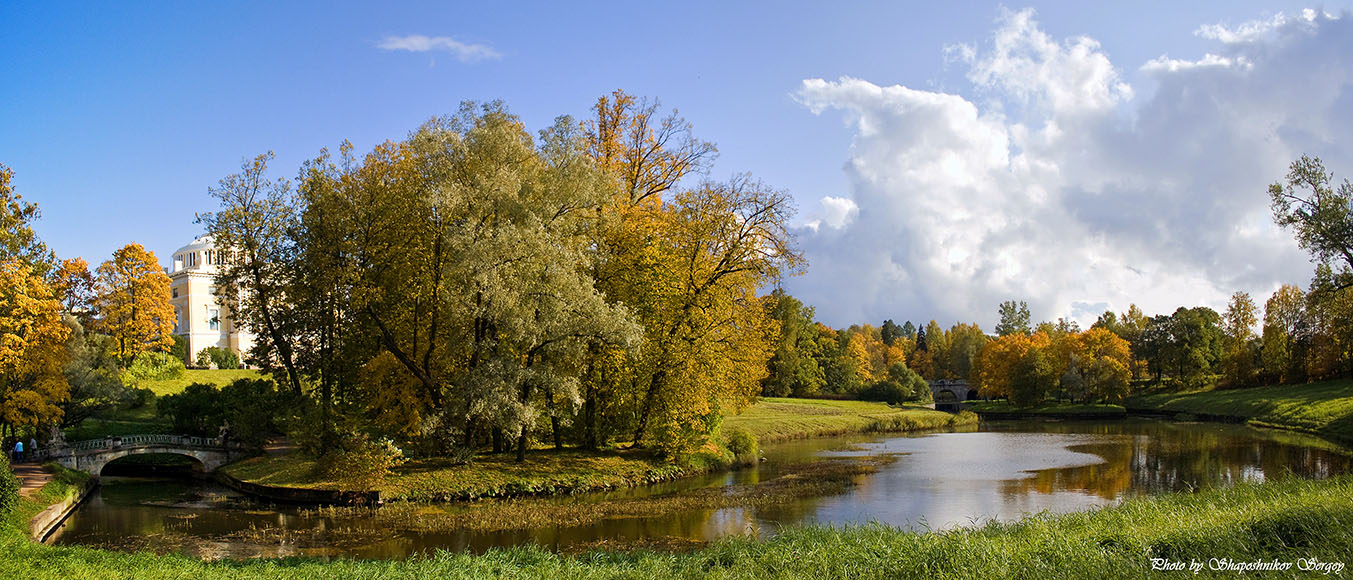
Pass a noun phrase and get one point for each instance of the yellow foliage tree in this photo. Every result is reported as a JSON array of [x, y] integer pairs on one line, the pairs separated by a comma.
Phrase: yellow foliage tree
[[133, 303], [1104, 361], [32, 349]]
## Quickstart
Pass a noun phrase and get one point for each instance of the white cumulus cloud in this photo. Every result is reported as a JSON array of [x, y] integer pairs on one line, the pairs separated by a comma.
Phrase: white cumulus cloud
[[464, 52], [1069, 200]]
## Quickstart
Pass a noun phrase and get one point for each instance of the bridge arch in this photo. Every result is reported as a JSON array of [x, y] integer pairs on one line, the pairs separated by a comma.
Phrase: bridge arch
[[198, 465], [92, 456]]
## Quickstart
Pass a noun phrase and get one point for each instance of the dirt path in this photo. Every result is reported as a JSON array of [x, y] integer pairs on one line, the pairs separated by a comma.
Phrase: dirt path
[[31, 478]]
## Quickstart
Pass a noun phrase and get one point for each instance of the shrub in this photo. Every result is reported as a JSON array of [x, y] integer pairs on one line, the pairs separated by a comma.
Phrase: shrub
[[153, 366], [249, 407], [198, 410], [180, 348], [136, 398], [742, 444], [361, 463], [223, 358], [9, 487]]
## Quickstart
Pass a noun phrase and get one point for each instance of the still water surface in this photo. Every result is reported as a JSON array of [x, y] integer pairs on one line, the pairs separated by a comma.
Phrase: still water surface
[[1004, 470]]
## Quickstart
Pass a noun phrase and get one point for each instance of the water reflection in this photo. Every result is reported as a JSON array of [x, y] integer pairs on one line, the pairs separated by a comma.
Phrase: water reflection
[[1005, 470]]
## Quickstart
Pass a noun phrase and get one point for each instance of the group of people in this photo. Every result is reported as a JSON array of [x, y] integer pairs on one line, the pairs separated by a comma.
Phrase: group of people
[[22, 451]]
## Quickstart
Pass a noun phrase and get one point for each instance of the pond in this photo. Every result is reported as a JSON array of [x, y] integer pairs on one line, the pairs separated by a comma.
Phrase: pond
[[1003, 470]]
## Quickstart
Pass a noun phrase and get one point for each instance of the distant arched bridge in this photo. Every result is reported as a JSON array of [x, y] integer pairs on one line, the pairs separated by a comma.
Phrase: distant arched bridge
[[950, 395], [90, 456]]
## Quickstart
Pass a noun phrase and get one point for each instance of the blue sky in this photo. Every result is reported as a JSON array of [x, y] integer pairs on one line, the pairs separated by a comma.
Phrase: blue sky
[[117, 117]]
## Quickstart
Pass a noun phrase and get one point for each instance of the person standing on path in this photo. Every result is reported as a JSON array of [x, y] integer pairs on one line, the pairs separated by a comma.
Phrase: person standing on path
[[18, 451], [33, 448]]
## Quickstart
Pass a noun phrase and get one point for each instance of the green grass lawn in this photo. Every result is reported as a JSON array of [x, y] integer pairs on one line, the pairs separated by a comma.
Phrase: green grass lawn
[[1324, 408], [1053, 409], [219, 378], [780, 419], [1283, 521]]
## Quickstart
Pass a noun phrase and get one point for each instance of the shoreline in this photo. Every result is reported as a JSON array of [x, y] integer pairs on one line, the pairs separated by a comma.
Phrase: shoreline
[[555, 473]]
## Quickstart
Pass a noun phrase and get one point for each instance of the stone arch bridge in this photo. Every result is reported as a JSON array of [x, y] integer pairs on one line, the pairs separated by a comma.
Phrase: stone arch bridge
[[950, 395], [91, 456]]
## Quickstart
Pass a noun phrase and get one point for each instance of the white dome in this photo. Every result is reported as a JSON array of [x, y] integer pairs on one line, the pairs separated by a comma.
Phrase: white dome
[[203, 242]]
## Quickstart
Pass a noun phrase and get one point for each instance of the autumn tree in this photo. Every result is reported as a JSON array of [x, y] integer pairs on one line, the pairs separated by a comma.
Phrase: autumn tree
[[74, 286], [17, 239], [1321, 216], [939, 353], [33, 349], [133, 303], [1285, 322], [710, 334], [1239, 351], [1329, 307], [1102, 359]]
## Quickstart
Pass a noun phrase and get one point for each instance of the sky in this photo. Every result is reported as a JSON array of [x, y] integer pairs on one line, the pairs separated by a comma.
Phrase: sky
[[944, 157]]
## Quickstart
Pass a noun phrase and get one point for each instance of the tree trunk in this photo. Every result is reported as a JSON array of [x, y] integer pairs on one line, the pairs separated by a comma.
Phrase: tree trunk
[[652, 391], [521, 445]]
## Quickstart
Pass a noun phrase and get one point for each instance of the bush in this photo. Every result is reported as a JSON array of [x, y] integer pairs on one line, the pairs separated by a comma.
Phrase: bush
[[361, 463], [9, 487], [136, 398], [249, 407], [198, 410], [223, 358], [153, 366], [180, 348], [742, 444]]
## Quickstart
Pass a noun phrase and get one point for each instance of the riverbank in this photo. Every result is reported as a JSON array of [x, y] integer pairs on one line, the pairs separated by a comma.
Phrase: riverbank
[[552, 472], [1276, 521], [1005, 410], [781, 419], [47, 496], [1324, 408]]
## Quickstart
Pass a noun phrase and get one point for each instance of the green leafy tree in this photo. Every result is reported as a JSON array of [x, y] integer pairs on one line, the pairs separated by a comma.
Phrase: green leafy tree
[[966, 342], [252, 228], [93, 373], [1320, 215], [890, 332], [1195, 343], [1014, 318], [794, 369], [900, 385]]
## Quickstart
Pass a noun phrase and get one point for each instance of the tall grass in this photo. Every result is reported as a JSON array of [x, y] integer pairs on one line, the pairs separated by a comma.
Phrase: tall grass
[[1280, 521]]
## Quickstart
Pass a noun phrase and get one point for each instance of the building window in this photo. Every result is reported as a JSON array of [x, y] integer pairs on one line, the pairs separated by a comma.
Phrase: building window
[[214, 319], [176, 292]]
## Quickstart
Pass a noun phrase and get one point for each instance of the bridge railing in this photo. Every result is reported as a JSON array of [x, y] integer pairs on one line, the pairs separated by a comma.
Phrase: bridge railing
[[114, 442]]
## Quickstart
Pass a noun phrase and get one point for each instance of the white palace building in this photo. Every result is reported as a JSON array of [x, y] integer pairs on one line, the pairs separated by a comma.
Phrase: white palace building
[[202, 319]]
